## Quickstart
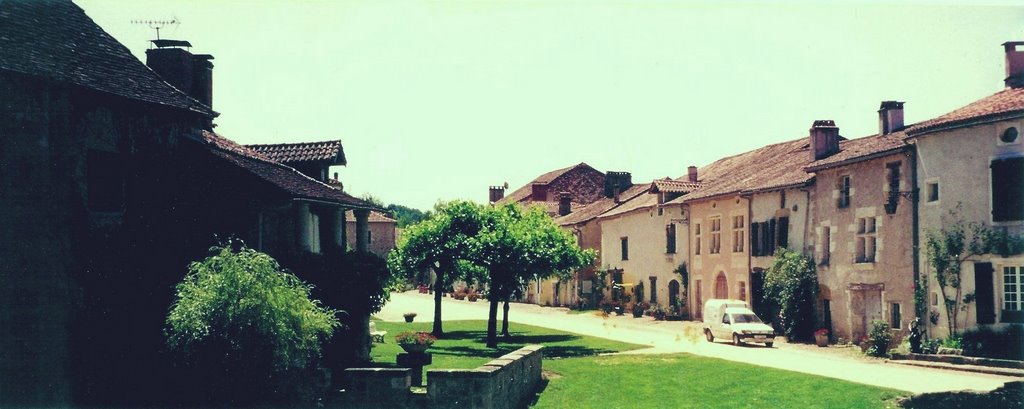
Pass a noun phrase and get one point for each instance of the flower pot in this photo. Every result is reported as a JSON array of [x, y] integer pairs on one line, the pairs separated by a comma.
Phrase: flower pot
[[414, 348], [409, 318], [638, 313], [821, 340], [619, 311]]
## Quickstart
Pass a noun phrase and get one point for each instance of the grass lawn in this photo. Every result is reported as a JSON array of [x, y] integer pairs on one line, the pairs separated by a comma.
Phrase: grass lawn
[[580, 378], [689, 381], [463, 343]]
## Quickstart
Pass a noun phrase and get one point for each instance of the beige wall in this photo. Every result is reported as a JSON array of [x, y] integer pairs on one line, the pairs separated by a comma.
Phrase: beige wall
[[706, 266], [382, 237], [859, 292], [645, 229], [959, 161], [770, 205]]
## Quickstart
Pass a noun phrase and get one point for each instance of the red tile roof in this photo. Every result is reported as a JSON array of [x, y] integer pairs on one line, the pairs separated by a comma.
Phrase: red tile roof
[[1005, 104], [283, 177], [524, 192], [325, 151], [675, 186], [855, 150], [644, 200], [54, 39], [770, 167]]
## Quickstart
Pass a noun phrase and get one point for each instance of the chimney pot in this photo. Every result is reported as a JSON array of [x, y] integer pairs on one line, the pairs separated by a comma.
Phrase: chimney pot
[[615, 182], [691, 172], [1014, 64], [824, 138], [890, 117]]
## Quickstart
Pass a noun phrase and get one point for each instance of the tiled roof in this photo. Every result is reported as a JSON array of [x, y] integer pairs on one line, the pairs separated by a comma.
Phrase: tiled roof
[[330, 151], [643, 200], [526, 190], [595, 209], [769, 167], [54, 39], [675, 186], [285, 178], [375, 217], [854, 150], [1004, 104]]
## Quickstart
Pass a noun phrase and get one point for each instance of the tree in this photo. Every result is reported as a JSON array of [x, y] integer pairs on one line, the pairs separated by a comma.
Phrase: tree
[[244, 324], [440, 243], [947, 249], [516, 245], [791, 285]]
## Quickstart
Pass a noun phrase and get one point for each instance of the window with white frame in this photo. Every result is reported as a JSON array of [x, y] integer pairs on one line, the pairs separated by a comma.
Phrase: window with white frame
[[738, 233], [716, 235], [866, 236], [1013, 288]]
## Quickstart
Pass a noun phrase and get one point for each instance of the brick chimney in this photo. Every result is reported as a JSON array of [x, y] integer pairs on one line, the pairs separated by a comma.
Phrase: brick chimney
[[1014, 64], [691, 173], [497, 193], [189, 73], [824, 138], [890, 117], [616, 182], [564, 203]]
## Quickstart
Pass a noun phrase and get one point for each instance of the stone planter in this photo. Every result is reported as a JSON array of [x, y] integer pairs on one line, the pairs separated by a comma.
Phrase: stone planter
[[821, 340], [414, 348], [409, 317]]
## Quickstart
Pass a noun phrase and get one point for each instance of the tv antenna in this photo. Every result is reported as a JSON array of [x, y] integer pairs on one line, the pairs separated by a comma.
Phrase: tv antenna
[[158, 24]]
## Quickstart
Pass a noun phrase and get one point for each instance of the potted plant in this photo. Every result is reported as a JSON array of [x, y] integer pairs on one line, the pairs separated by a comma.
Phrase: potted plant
[[409, 316], [605, 306], [472, 295], [821, 337], [619, 310], [415, 341], [658, 312]]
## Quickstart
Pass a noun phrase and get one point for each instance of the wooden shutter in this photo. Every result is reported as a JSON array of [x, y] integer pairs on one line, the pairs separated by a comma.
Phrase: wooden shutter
[[1008, 189], [783, 232]]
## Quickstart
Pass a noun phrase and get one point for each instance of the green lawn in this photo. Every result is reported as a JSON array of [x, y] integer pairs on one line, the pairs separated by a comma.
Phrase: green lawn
[[580, 378]]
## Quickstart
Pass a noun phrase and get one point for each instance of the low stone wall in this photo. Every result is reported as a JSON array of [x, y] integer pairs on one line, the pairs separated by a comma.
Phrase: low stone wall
[[504, 383], [962, 360]]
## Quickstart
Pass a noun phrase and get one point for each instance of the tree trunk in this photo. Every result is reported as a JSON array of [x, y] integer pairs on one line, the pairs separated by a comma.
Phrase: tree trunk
[[504, 321], [438, 288], [492, 324], [361, 354]]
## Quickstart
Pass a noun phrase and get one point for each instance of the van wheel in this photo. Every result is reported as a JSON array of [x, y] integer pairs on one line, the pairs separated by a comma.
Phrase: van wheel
[[711, 338], [736, 339], [769, 344]]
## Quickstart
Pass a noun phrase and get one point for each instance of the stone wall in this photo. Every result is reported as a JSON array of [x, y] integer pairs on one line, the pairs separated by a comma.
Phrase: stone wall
[[506, 382]]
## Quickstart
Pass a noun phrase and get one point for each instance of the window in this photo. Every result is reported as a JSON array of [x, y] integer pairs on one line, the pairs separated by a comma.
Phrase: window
[[1008, 190], [844, 192], [625, 247], [654, 290], [826, 245], [670, 238], [783, 232], [866, 235], [696, 239], [369, 236], [755, 239], [896, 321], [104, 181], [931, 190], [716, 235], [893, 171], [1013, 288], [738, 233], [1009, 135], [743, 291]]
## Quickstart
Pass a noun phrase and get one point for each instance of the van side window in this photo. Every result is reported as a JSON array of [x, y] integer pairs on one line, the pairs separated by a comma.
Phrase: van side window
[[725, 319]]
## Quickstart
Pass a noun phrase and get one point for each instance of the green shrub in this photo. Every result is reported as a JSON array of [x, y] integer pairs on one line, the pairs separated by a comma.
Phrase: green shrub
[[247, 330], [879, 337], [791, 286], [954, 341], [1004, 343]]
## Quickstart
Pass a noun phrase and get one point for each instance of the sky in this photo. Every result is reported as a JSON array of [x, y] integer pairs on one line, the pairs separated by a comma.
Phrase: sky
[[441, 99]]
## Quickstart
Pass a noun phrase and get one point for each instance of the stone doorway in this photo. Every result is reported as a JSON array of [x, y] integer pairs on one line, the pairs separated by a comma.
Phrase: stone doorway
[[865, 306], [673, 293], [721, 286]]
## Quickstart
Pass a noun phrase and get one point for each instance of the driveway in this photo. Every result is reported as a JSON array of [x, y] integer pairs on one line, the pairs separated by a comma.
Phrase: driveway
[[674, 337]]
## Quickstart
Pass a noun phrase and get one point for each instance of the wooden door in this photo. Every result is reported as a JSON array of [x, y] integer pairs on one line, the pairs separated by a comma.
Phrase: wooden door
[[721, 286]]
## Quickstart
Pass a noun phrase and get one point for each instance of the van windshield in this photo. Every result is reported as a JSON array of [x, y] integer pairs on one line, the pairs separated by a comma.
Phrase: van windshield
[[745, 318]]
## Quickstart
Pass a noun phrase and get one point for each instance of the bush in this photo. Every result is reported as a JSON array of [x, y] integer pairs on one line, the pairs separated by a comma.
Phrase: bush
[[879, 338], [791, 285], [247, 330], [1005, 343]]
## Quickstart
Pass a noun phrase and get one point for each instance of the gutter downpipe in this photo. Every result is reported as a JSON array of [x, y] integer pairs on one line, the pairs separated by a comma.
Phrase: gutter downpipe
[[746, 246], [915, 223]]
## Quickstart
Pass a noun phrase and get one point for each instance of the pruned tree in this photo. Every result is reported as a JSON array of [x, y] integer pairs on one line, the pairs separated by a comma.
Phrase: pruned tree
[[440, 243], [947, 250], [791, 286]]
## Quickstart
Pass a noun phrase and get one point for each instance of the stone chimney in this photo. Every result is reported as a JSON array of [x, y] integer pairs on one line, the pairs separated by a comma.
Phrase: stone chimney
[[189, 73], [824, 138], [890, 117], [497, 193], [691, 173], [564, 203], [1014, 64], [616, 182]]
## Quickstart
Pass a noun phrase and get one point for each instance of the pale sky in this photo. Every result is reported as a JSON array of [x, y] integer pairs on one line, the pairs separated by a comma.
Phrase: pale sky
[[440, 99]]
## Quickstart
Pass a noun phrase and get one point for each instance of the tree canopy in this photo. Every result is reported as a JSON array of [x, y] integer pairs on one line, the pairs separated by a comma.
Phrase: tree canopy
[[791, 285]]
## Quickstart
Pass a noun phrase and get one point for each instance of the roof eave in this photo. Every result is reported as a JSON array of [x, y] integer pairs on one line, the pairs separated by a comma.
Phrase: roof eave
[[964, 123], [857, 159]]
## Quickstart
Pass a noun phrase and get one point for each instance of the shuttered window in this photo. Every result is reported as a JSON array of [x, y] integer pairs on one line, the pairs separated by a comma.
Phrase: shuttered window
[[1008, 190]]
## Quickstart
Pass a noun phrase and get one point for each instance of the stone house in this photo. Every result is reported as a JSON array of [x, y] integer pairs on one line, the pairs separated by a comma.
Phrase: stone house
[[861, 230], [747, 205], [971, 161], [381, 231], [642, 243], [113, 182]]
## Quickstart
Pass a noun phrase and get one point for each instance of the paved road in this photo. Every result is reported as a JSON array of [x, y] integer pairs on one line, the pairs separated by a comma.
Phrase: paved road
[[672, 337]]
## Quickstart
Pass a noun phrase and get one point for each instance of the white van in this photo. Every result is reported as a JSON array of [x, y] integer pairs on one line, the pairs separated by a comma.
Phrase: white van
[[733, 319]]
